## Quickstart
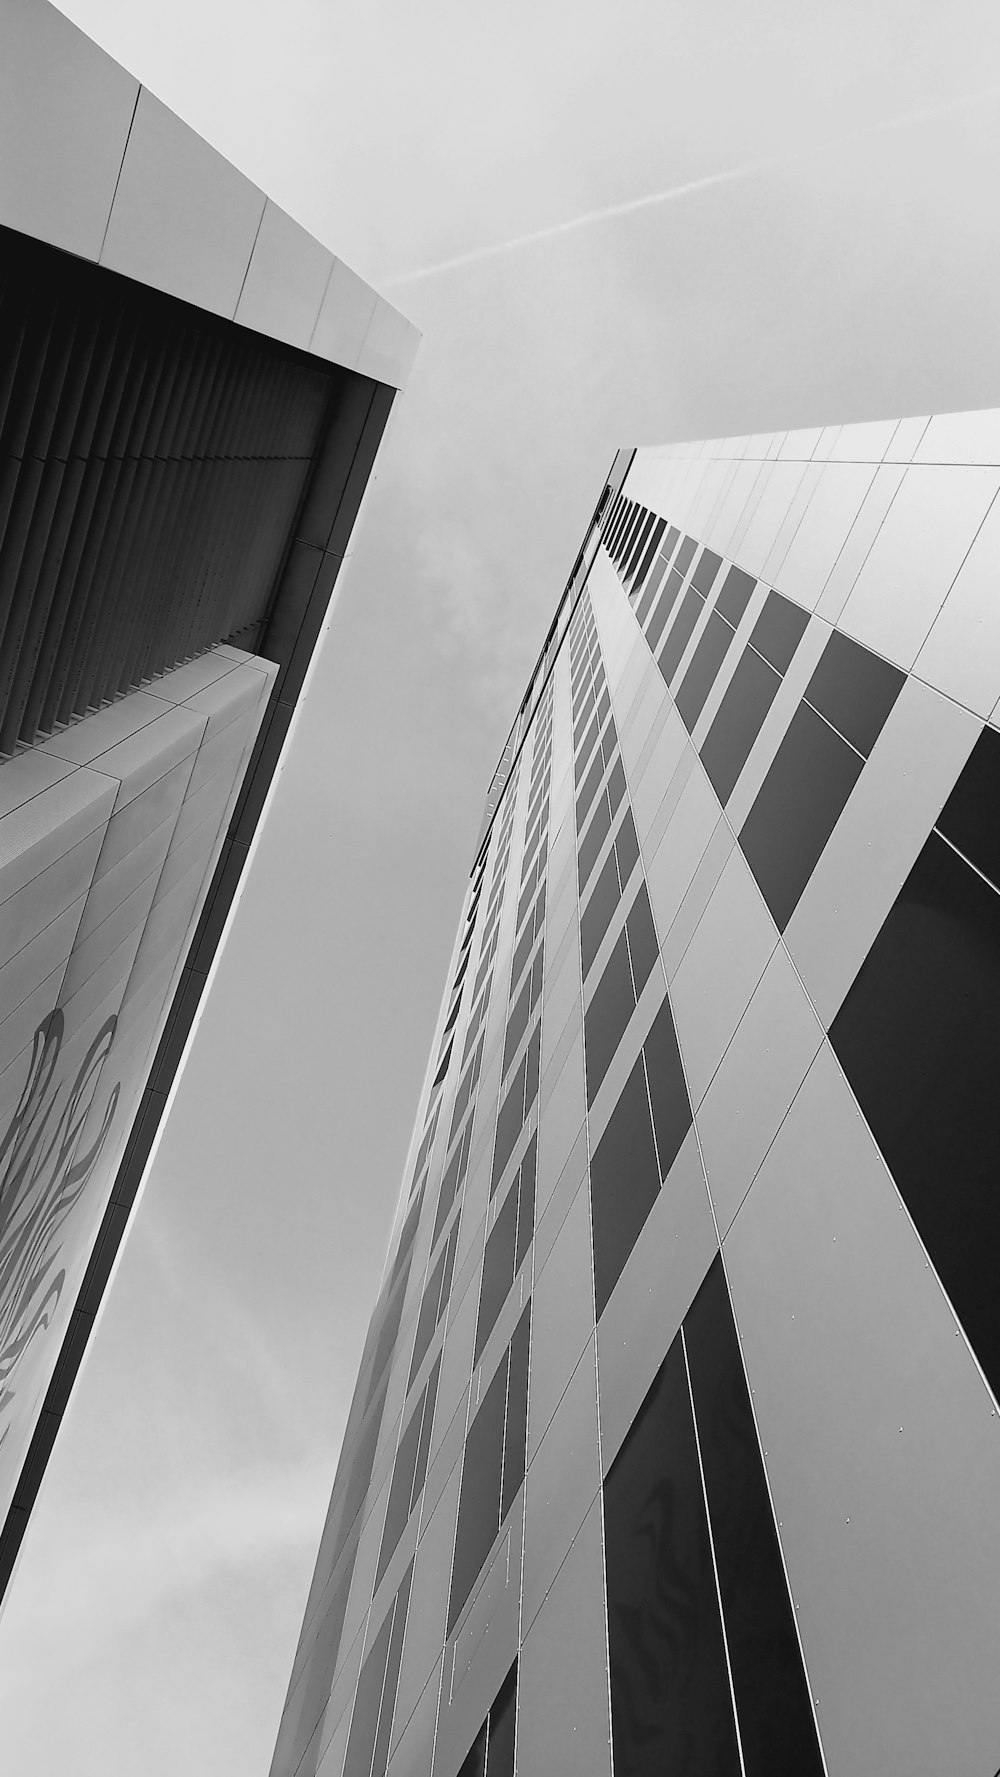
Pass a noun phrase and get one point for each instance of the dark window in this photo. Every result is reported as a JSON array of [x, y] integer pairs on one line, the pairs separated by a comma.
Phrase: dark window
[[358, 1472], [592, 841], [636, 1152], [516, 1433], [599, 911], [670, 542], [685, 555], [484, 967], [479, 1503], [528, 894], [520, 1097], [667, 1090], [796, 810], [607, 1015], [492, 1751], [855, 690], [734, 596], [444, 1063], [435, 1300], [671, 1707], [704, 575], [467, 1087], [779, 630], [617, 993], [726, 747], [524, 948], [502, 1718], [375, 1702], [390, 1325], [624, 1181], [642, 945], [428, 1137], [406, 1238], [657, 621], [526, 1001], [616, 785], [649, 592], [478, 1014], [409, 1471], [591, 786], [454, 1178], [368, 1704], [626, 848], [714, 645], [585, 750], [641, 540], [536, 802], [539, 833], [680, 633], [427, 1319], [917, 1038], [526, 1202], [493, 1468], [777, 1731], [969, 817], [498, 1269], [651, 548]]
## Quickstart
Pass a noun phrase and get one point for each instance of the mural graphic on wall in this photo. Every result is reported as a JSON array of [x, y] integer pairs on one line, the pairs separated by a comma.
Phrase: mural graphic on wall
[[42, 1176]]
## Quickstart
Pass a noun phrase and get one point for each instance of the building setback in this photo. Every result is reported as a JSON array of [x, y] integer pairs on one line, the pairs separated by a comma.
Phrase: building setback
[[192, 394], [675, 1442]]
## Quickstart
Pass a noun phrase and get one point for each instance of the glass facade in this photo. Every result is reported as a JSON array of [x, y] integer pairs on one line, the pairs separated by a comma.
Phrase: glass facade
[[675, 1444]]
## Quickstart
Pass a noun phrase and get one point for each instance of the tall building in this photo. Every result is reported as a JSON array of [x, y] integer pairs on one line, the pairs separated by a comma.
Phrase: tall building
[[675, 1443], [192, 394]]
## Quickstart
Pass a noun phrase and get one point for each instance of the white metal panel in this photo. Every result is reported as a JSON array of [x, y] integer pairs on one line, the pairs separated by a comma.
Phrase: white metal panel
[[65, 111], [183, 219], [286, 280]]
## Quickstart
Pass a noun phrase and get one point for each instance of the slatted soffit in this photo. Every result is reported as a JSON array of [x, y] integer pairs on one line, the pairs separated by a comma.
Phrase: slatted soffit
[[193, 391], [153, 460]]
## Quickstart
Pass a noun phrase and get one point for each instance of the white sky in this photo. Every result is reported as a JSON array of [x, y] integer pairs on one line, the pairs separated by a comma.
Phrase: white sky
[[849, 269]]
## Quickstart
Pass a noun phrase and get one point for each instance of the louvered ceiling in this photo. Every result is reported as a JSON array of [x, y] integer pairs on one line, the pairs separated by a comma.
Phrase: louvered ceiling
[[153, 460]]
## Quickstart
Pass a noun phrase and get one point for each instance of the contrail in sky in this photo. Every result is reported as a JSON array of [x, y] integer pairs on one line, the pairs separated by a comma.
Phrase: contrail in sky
[[927, 115]]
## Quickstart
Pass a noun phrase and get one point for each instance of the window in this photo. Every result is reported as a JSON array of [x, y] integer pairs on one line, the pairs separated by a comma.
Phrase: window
[[434, 1300], [671, 1707], [777, 1730], [521, 1011], [532, 930], [592, 840], [452, 1182], [492, 1752], [521, 1095], [493, 1468], [608, 890], [467, 1087], [507, 1246], [636, 1151], [409, 1471], [796, 809], [375, 1700]]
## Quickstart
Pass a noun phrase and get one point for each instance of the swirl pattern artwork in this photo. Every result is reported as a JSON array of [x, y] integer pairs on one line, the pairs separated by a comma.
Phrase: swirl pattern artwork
[[43, 1174]]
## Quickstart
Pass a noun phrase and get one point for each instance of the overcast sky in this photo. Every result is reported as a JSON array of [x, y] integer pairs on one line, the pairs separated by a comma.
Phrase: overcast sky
[[833, 252]]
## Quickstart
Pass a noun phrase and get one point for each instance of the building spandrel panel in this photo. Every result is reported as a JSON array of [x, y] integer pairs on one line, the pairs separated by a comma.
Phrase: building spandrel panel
[[733, 959]]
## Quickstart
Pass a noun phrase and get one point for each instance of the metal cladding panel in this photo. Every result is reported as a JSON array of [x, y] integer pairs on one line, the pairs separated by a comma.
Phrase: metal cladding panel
[[715, 1071], [103, 961], [183, 219], [95, 164], [65, 113]]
